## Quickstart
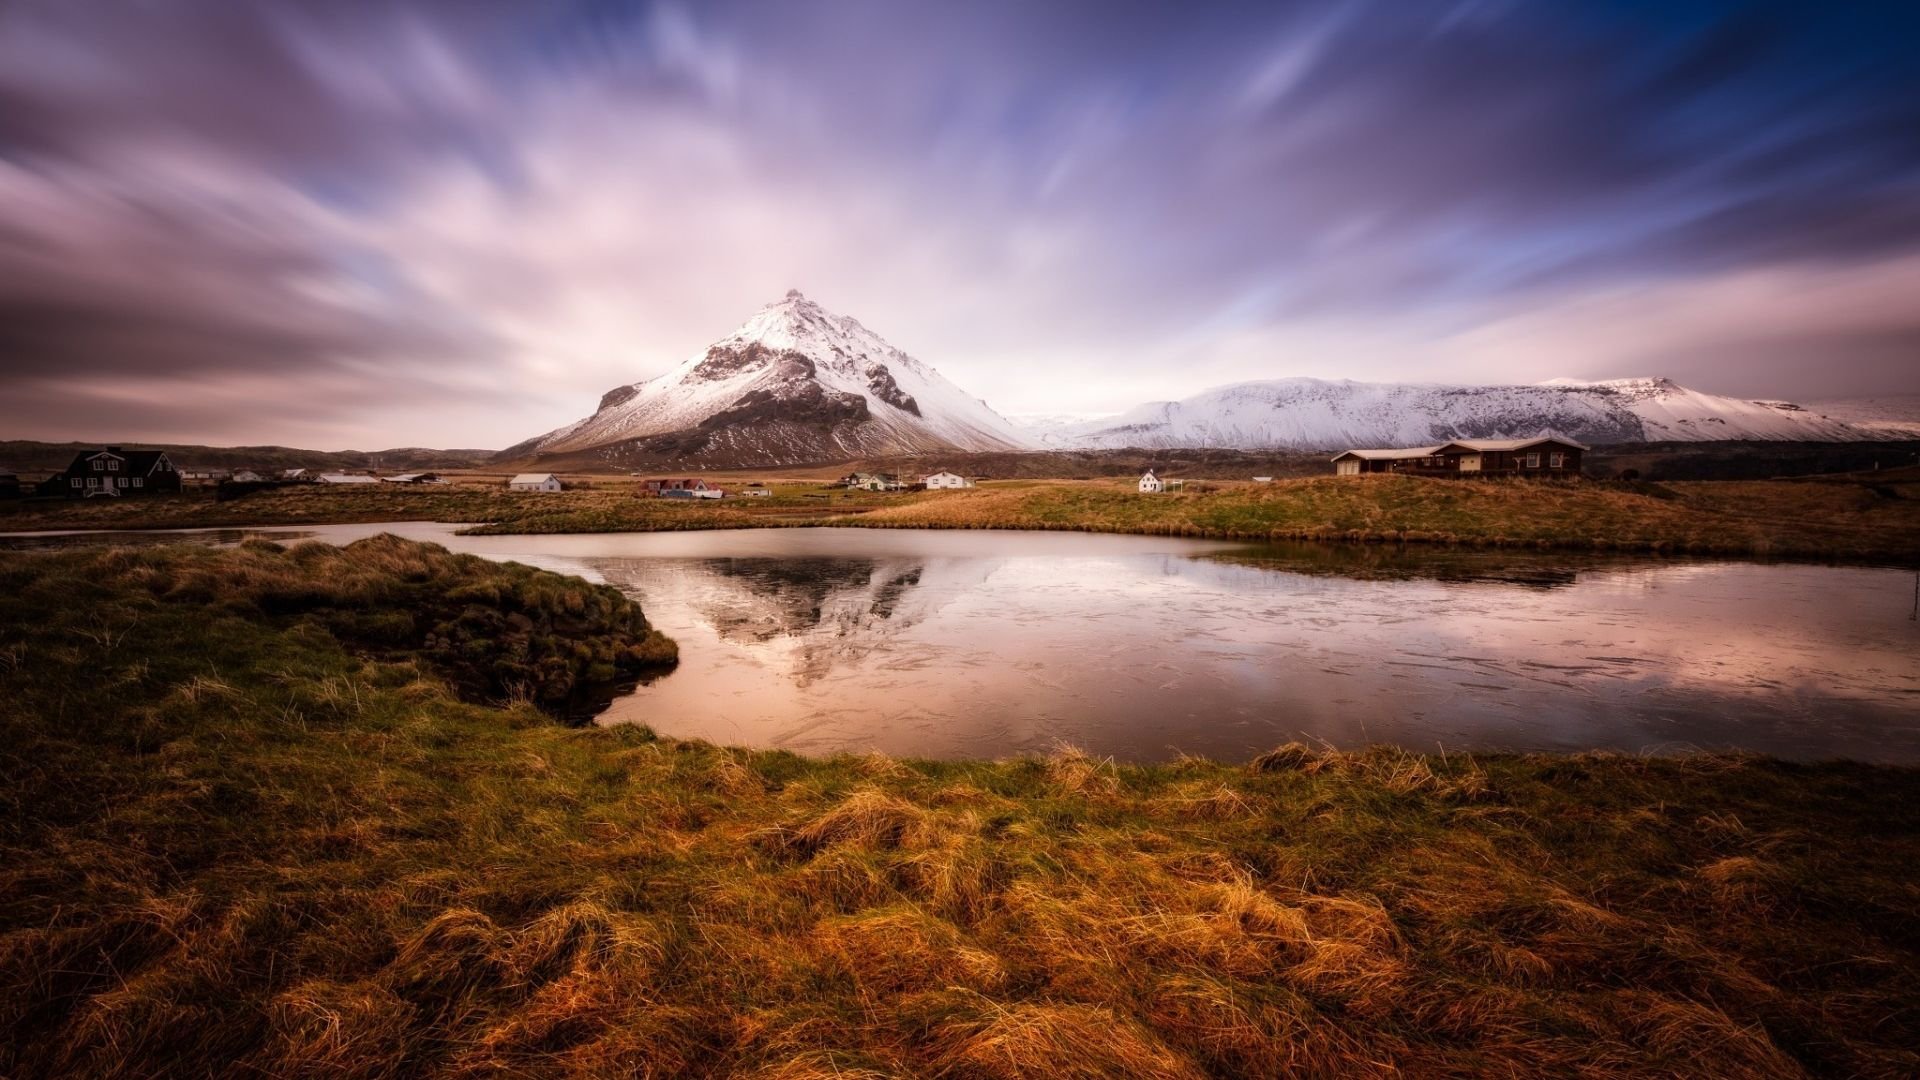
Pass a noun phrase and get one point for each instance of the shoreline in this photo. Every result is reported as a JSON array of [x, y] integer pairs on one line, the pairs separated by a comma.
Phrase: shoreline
[[1832, 521], [1887, 558], [340, 834]]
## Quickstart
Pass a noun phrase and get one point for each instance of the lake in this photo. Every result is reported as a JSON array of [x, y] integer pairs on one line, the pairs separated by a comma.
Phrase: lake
[[987, 644]]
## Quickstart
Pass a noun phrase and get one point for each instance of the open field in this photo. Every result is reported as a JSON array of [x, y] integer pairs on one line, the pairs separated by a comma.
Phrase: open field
[[1870, 516], [307, 846], [1718, 460]]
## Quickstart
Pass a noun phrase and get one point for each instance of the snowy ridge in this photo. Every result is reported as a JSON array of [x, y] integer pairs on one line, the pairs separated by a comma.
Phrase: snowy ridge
[[794, 383], [1320, 414], [1897, 416]]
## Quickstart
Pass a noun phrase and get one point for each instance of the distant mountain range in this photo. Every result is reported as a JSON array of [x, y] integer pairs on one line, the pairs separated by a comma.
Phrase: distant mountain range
[[796, 384], [1323, 414], [31, 456], [1893, 415], [799, 385]]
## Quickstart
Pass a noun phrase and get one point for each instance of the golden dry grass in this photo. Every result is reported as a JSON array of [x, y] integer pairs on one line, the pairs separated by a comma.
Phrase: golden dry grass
[[280, 853], [1840, 519]]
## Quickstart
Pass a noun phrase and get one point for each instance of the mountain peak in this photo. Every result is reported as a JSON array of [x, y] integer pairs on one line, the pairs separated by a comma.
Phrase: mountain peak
[[793, 383]]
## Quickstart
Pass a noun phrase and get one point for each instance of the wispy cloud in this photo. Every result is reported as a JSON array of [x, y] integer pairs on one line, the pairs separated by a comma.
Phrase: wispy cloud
[[457, 223]]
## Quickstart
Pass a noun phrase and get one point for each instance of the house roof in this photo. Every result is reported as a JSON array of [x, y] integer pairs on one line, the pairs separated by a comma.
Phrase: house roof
[[138, 461], [532, 478], [1390, 455], [347, 478], [1483, 446], [1494, 445]]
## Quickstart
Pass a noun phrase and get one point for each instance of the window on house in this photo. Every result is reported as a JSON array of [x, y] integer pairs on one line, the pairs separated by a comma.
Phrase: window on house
[[1556, 461], [137, 483], [1533, 461], [123, 481], [112, 465], [76, 481], [98, 464], [93, 481]]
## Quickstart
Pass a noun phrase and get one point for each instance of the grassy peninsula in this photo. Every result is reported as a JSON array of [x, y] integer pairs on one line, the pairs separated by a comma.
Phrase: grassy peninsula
[[1870, 516], [296, 812]]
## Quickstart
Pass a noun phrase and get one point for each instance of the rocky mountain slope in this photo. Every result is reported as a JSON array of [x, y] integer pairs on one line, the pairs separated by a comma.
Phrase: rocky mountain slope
[[1323, 414], [795, 384]]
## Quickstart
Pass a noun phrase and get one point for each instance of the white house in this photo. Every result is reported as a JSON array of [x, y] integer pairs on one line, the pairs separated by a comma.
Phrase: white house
[[1263, 479], [346, 478], [756, 491], [248, 476], [1150, 484], [946, 480], [534, 481]]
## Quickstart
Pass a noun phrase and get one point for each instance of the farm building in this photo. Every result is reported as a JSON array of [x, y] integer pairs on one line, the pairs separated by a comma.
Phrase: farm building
[[9, 484], [1151, 484], [247, 476], [942, 480], [413, 478], [532, 481], [298, 476], [874, 482], [345, 478], [113, 471], [756, 491], [680, 488], [1548, 455], [205, 476]]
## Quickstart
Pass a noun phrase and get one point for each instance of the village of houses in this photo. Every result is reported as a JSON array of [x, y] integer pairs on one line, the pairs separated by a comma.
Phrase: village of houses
[[114, 472]]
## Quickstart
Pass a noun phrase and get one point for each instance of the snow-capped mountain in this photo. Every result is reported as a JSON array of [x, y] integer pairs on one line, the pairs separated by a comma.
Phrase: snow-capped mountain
[[1895, 415], [1319, 414], [795, 384]]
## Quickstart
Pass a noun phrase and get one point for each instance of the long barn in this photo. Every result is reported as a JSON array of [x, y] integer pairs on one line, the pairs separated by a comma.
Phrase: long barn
[[1548, 455]]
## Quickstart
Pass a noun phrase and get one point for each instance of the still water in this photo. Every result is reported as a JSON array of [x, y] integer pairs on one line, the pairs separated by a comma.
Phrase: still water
[[949, 644]]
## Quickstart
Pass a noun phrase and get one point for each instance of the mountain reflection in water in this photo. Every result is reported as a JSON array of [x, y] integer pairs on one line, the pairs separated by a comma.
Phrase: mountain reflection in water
[[984, 644]]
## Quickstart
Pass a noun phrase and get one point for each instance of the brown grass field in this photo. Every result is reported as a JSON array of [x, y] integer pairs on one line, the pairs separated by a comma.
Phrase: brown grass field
[[260, 818], [1869, 516]]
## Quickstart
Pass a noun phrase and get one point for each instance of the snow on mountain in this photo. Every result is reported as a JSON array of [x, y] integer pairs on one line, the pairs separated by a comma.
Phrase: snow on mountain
[[1322, 414], [1894, 415], [795, 384]]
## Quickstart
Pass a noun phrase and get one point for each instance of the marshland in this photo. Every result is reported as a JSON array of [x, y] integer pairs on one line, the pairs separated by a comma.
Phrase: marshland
[[968, 541], [1872, 516], [310, 809]]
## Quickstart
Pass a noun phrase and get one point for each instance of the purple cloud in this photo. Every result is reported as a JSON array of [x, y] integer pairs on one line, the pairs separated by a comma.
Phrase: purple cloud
[[456, 223]]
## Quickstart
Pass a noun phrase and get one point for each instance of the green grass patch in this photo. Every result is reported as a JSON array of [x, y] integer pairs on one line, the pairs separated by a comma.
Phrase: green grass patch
[[253, 822], [1827, 520]]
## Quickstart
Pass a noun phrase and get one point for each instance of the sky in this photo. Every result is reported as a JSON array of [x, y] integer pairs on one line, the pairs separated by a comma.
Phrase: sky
[[355, 224]]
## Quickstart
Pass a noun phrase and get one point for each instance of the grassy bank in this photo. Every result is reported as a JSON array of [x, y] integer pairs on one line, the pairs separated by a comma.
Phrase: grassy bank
[[1875, 519], [251, 833]]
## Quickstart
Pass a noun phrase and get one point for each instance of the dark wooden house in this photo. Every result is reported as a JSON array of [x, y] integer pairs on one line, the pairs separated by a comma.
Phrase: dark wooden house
[[114, 472], [691, 486], [10, 484], [1546, 456]]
